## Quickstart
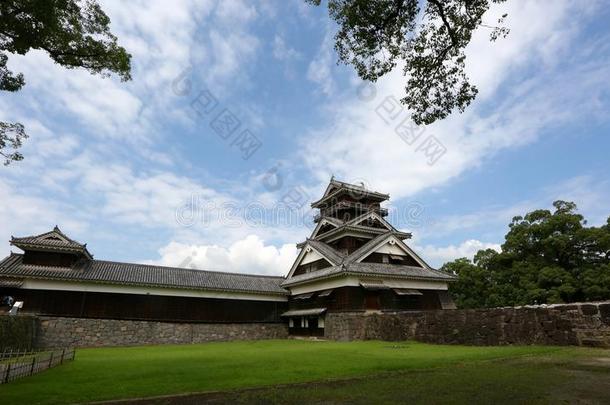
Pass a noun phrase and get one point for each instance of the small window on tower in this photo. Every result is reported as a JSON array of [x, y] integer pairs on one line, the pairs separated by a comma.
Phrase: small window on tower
[[395, 259]]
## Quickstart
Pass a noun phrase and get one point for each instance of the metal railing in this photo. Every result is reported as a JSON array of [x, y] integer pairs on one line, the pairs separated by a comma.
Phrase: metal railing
[[18, 364]]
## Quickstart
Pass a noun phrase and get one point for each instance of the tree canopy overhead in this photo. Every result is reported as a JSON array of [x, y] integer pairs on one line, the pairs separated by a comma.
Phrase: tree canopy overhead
[[75, 34], [428, 37], [547, 257]]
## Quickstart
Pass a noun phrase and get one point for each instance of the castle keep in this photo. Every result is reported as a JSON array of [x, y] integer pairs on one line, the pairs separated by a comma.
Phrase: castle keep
[[354, 260]]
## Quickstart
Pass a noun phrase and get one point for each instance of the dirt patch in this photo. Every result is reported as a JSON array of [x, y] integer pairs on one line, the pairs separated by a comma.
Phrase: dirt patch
[[583, 387]]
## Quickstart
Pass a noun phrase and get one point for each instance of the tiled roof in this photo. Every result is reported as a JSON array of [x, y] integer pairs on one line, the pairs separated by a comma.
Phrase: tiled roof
[[304, 312], [144, 275], [399, 270], [372, 269], [53, 240], [348, 264], [11, 282], [342, 187], [326, 250], [344, 228], [368, 245], [332, 220]]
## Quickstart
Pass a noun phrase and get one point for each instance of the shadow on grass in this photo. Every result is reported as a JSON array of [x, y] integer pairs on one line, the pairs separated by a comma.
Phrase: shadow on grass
[[531, 380]]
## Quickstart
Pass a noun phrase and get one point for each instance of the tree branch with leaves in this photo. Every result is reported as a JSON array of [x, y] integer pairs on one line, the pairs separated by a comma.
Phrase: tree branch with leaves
[[427, 38], [75, 34]]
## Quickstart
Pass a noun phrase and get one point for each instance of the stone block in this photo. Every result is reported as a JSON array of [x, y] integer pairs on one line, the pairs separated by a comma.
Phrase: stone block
[[604, 311], [57, 332], [588, 309]]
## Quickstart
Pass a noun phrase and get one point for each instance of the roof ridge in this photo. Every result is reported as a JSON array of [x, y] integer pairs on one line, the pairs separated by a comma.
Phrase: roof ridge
[[59, 231], [359, 218], [358, 252], [340, 257], [189, 269], [346, 227], [358, 186], [167, 267], [332, 219], [54, 230]]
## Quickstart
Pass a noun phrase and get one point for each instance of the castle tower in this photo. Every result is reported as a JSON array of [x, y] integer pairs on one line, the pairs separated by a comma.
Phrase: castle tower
[[355, 260]]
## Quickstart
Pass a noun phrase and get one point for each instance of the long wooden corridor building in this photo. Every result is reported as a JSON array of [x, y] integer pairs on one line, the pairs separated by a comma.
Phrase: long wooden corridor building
[[354, 260]]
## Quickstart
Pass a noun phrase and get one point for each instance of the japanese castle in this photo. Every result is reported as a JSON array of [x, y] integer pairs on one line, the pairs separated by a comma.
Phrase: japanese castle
[[354, 260]]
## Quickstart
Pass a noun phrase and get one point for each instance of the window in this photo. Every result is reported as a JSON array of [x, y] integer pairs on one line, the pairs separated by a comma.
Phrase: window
[[395, 259]]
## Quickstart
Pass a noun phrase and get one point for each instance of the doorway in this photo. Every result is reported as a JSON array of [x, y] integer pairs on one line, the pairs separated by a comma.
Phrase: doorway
[[372, 301]]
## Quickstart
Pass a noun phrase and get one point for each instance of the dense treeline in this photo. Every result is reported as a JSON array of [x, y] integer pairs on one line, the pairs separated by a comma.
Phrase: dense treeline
[[547, 257]]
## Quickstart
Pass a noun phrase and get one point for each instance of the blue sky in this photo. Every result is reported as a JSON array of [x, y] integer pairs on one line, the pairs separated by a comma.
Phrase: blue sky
[[141, 171]]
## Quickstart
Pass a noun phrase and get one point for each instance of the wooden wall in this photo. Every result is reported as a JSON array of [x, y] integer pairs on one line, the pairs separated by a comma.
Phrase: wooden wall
[[145, 307], [360, 299], [49, 258]]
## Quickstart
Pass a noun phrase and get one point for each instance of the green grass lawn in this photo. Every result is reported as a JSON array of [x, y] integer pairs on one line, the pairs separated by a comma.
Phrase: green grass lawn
[[113, 373]]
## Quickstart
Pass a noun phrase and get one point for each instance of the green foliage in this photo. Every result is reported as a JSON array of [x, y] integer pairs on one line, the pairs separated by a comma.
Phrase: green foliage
[[17, 332], [547, 257], [113, 373], [11, 136], [75, 34], [428, 38]]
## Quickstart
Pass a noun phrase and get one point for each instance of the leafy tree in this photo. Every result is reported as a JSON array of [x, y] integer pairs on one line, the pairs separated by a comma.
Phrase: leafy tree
[[11, 136], [428, 37], [75, 34], [547, 257]]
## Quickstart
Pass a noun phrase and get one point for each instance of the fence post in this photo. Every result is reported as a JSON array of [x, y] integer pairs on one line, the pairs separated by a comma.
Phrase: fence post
[[33, 365], [63, 352], [8, 373], [50, 360]]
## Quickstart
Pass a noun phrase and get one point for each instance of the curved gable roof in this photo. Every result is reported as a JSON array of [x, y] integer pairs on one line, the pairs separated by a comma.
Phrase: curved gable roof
[[54, 240]]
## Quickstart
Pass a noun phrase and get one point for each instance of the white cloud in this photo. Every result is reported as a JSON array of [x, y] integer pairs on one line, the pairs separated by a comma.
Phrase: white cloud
[[590, 193], [248, 255], [22, 215], [77, 182], [98, 103], [95, 170], [360, 141], [229, 51], [320, 69], [587, 191], [236, 10], [283, 52], [436, 256]]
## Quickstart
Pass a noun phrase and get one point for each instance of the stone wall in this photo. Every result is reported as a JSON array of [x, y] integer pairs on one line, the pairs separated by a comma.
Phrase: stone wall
[[83, 332], [586, 324]]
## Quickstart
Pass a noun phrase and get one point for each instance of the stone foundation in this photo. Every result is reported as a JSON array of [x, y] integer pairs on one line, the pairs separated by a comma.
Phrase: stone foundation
[[83, 332], [586, 324]]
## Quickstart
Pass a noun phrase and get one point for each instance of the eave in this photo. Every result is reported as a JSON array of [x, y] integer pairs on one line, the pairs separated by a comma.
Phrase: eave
[[347, 273], [362, 195], [54, 248], [357, 230]]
